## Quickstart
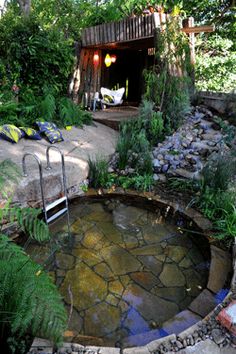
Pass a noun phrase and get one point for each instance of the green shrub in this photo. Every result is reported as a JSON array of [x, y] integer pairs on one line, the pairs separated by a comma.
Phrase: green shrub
[[151, 121], [219, 171], [215, 68], [138, 182], [98, 172], [217, 195], [133, 147], [34, 57]]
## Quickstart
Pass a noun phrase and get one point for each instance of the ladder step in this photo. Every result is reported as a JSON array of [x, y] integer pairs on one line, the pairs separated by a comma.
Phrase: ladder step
[[56, 215], [55, 203]]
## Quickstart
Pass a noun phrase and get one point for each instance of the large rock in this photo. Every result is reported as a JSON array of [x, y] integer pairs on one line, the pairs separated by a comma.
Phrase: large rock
[[149, 306], [87, 287], [135, 323], [145, 279], [172, 276], [219, 270], [101, 319], [176, 253], [119, 260], [125, 217], [152, 264]]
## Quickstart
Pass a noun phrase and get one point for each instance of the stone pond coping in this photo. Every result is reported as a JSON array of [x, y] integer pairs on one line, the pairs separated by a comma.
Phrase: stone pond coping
[[190, 326]]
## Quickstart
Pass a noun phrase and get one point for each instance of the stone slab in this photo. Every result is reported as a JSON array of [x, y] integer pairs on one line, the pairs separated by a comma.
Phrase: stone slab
[[102, 350], [143, 338], [180, 322], [220, 268], [137, 350], [205, 347], [203, 304], [45, 345]]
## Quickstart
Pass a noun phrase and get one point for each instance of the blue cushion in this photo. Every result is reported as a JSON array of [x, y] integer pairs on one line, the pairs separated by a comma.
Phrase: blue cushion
[[51, 131]]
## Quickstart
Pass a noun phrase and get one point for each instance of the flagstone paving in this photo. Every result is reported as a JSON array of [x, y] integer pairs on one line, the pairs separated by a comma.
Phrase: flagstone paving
[[125, 272]]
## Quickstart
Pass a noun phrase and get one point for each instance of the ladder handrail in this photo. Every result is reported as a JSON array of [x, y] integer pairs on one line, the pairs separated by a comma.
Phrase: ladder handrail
[[49, 167], [40, 176]]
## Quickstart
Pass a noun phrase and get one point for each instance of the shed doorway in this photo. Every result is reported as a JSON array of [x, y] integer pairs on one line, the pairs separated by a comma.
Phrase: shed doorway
[[126, 72]]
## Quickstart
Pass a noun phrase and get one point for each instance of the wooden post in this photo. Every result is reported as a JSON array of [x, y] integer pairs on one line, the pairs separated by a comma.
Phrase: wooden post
[[189, 22]]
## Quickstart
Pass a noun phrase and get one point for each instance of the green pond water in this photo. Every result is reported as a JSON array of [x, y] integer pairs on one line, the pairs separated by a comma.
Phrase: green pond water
[[124, 269]]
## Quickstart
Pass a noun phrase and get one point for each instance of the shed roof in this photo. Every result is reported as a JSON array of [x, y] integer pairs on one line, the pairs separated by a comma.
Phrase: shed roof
[[124, 33]]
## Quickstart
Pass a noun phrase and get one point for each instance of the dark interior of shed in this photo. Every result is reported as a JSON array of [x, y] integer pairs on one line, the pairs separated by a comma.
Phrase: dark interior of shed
[[127, 72]]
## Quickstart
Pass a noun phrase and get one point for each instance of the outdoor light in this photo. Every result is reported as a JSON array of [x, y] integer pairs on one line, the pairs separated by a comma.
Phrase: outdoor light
[[107, 60], [113, 58], [95, 58]]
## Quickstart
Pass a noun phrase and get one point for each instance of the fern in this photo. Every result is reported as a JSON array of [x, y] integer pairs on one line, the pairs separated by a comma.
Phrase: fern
[[69, 113], [72, 114], [27, 219], [29, 301], [47, 107]]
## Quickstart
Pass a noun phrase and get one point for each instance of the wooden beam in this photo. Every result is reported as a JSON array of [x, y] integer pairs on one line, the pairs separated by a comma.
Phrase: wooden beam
[[198, 29]]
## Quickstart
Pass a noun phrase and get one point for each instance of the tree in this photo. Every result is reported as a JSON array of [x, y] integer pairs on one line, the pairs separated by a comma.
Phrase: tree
[[25, 6]]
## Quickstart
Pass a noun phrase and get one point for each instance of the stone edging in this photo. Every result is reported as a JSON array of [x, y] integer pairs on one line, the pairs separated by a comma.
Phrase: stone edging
[[207, 327]]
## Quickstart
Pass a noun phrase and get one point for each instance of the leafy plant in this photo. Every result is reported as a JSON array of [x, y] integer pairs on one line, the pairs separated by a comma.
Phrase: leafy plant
[[226, 225], [98, 172], [217, 195], [152, 121], [133, 147], [219, 171], [183, 184], [29, 300]]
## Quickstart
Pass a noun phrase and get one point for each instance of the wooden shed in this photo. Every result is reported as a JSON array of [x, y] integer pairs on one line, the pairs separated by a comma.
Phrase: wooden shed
[[131, 41]]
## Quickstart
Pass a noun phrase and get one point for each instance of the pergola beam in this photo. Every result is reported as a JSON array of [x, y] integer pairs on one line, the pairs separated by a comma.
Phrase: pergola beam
[[198, 29]]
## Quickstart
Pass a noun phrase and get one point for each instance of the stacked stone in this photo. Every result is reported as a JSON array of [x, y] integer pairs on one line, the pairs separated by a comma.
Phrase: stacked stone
[[185, 152]]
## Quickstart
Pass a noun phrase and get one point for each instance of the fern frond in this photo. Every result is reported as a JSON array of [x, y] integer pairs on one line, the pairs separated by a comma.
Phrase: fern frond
[[47, 107], [27, 219], [29, 301]]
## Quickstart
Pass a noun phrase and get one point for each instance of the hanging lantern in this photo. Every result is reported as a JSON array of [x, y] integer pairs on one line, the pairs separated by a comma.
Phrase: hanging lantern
[[107, 60], [113, 58], [96, 58]]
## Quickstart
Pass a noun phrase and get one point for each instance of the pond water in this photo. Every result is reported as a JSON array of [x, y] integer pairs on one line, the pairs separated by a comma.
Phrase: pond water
[[124, 270]]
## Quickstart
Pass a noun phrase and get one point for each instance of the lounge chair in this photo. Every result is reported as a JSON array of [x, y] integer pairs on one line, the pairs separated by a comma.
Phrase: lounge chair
[[112, 97]]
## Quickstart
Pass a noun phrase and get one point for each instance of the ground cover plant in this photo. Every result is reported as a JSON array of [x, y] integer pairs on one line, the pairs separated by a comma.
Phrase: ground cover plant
[[214, 194]]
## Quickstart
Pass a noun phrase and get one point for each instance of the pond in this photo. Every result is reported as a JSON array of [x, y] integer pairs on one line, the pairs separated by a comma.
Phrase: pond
[[124, 271]]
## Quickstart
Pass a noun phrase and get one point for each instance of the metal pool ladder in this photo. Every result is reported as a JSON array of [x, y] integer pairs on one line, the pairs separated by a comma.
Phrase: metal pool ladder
[[57, 202]]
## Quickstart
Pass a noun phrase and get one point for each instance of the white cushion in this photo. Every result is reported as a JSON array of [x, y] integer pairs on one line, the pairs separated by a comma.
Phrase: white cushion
[[115, 94]]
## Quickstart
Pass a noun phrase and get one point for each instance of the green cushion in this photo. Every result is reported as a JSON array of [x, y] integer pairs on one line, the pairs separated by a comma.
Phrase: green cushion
[[10, 133], [31, 133]]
